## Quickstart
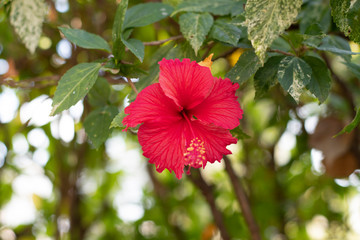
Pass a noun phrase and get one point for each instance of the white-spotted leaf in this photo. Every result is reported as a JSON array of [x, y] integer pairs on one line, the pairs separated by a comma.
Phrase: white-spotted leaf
[[195, 27], [293, 75], [267, 19], [27, 18]]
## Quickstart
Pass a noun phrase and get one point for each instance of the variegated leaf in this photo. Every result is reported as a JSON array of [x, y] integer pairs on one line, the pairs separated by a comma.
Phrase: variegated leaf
[[27, 18], [267, 19]]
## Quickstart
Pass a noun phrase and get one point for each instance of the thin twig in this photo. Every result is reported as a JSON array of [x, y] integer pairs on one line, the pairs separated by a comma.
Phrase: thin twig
[[207, 192], [346, 93], [242, 200], [31, 82], [225, 54], [159, 42], [281, 52], [132, 85]]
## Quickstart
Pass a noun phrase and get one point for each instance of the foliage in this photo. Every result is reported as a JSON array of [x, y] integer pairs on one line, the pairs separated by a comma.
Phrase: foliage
[[297, 62]]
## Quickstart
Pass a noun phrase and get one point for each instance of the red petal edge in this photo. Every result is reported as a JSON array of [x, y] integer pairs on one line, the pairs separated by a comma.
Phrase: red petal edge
[[186, 82], [163, 144], [221, 106], [150, 105]]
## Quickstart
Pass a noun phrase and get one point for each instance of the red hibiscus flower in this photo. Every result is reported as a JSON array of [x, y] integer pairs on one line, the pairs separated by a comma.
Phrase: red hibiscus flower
[[185, 117]]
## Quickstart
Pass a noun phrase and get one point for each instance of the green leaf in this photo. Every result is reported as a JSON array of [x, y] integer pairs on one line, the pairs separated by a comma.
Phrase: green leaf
[[224, 31], [354, 68], [267, 19], [351, 126], [247, 64], [85, 39], [239, 133], [118, 46], [335, 45], [74, 85], [97, 124], [99, 93], [136, 47], [266, 76], [4, 2], [315, 13], [293, 75], [27, 18], [144, 14], [320, 82], [183, 50], [195, 27], [223, 7], [146, 80], [346, 14], [117, 121]]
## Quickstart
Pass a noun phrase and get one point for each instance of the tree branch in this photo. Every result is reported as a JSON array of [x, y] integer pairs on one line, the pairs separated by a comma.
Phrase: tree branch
[[161, 194], [208, 194], [242, 200]]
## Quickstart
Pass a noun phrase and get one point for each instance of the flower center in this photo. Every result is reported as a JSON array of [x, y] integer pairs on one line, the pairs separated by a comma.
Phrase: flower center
[[195, 153], [194, 156]]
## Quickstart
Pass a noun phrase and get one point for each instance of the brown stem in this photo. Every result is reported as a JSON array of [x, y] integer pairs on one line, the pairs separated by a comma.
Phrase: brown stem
[[208, 194], [161, 193], [346, 93], [242, 200], [159, 42], [132, 85], [281, 52]]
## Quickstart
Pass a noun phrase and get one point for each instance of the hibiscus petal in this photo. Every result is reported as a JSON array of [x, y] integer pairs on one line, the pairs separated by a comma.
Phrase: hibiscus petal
[[186, 82], [151, 105], [221, 106], [206, 143], [164, 143]]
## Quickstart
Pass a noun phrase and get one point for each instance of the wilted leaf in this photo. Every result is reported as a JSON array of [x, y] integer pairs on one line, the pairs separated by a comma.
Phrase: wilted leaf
[[320, 82], [246, 66], [346, 15], [195, 27], [144, 14], [267, 19], [74, 85], [97, 124], [84, 39], [293, 75], [27, 18]]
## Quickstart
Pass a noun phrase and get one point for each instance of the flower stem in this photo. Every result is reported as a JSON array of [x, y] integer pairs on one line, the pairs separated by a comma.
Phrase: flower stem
[[242, 200]]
